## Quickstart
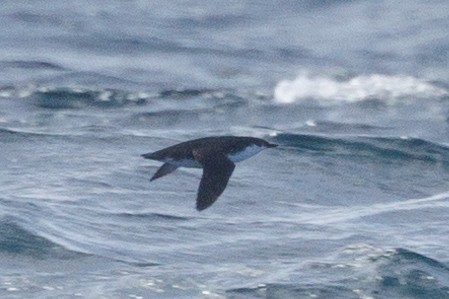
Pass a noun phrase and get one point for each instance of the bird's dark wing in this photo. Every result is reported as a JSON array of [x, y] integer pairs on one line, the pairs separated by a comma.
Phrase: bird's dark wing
[[164, 170], [217, 169]]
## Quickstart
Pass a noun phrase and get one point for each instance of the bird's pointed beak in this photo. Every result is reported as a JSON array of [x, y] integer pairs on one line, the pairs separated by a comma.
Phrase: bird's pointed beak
[[272, 145]]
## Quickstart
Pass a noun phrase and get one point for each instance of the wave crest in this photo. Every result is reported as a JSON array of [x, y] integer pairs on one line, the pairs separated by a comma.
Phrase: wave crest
[[76, 98], [16, 239], [369, 273], [372, 148], [375, 86]]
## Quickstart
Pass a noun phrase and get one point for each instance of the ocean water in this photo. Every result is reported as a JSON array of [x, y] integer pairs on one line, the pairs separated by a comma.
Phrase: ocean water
[[354, 202]]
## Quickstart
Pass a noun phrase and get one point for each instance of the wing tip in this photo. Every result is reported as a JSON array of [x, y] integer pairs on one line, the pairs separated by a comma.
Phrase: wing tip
[[203, 203], [200, 207]]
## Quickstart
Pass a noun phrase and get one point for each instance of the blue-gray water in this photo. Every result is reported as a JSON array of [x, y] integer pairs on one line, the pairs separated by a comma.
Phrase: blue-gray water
[[354, 203]]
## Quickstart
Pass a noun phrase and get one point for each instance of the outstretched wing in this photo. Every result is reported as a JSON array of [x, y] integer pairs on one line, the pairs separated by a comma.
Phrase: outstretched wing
[[217, 169], [164, 170]]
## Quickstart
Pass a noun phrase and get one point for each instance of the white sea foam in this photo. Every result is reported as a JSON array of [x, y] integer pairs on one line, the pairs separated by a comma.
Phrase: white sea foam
[[327, 89]]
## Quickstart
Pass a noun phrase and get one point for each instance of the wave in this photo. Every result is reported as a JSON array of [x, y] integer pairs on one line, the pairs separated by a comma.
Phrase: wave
[[325, 89], [80, 97], [334, 215], [150, 216], [73, 97], [411, 275], [31, 64], [275, 290], [397, 273], [8, 135], [402, 148], [58, 98], [16, 239], [12, 136]]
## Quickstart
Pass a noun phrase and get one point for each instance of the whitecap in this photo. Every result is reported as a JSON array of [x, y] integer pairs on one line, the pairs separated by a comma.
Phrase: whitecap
[[326, 89]]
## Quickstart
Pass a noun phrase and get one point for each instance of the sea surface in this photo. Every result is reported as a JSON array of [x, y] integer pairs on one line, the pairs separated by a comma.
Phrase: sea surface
[[354, 203]]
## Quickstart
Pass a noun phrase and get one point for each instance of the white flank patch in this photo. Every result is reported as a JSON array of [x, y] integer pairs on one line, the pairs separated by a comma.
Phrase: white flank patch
[[247, 153]]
